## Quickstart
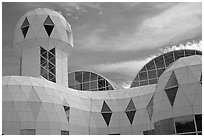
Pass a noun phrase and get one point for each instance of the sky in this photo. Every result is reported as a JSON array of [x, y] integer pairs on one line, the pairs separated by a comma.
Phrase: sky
[[113, 39]]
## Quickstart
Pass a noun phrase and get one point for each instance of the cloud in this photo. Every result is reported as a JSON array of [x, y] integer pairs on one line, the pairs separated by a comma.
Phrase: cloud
[[189, 45], [179, 22]]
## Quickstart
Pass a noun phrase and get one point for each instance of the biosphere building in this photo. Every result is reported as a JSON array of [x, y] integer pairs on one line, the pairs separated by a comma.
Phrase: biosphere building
[[165, 97]]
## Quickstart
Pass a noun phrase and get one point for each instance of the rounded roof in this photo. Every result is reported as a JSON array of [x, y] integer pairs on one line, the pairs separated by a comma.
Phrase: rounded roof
[[150, 73], [37, 25], [90, 81]]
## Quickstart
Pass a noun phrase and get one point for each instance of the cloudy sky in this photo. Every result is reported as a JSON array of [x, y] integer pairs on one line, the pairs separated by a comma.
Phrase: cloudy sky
[[113, 39]]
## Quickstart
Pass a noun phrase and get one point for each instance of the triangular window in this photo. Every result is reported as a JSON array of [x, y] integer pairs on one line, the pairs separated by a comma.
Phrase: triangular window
[[107, 117], [105, 108], [172, 82], [171, 93]]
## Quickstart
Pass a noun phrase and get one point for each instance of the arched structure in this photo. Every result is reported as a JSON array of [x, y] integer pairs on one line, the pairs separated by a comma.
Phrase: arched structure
[[151, 72], [90, 81]]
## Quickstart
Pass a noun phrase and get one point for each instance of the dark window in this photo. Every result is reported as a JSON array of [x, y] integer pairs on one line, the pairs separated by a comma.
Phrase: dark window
[[198, 53], [151, 65], [106, 113], [152, 81], [148, 132], [171, 93], [86, 76], [198, 119], [160, 71], [168, 58], [115, 134], [63, 132], [86, 86], [105, 108], [78, 76], [189, 52], [157, 128], [145, 82], [25, 27], [200, 133], [178, 54], [130, 115], [167, 126], [93, 77], [143, 75], [130, 106], [27, 131], [159, 62], [107, 117], [135, 84], [143, 69], [184, 124], [94, 85], [152, 74]]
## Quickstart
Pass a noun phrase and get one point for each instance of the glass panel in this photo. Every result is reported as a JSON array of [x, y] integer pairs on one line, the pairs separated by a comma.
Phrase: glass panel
[[198, 53], [86, 86], [79, 86], [101, 83], [42, 60], [168, 58], [48, 21], [148, 132], [160, 71], [130, 106], [50, 55], [53, 71], [172, 82], [42, 50], [48, 29], [159, 62], [93, 77], [189, 52], [152, 81], [51, 76], [198, 119], [44, 72], [86, 76], [200, 133], [143, 82], [107, 117], [78, 76], [105, 108], [53, 79], [64, 132], [167, 126], [44, 55], [51, 66], [27, 131], [152, 74], [178, 54], [184, 124], [157, 128], [71, 79], [143, 69], [53, 51], [25, 23], [130, 115], [150, 65], [171, 94], [52, 61], [135, 84], [137, 78], [94, 85], [143, 75], [72, 86]]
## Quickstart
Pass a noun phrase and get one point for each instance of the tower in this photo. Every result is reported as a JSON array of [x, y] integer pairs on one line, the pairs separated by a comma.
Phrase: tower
[[45, 41]]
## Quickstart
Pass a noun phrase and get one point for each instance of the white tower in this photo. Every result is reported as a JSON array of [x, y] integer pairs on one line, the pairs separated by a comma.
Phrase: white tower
[[45, 40]]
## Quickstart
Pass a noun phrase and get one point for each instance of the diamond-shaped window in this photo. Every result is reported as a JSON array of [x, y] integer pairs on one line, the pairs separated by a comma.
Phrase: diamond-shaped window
[[106, 113], [25, 26], [171, 93], [130, 111], [48, 25]]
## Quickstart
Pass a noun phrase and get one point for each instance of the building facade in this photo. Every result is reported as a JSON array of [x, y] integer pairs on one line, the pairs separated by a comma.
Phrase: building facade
[[165, 96]]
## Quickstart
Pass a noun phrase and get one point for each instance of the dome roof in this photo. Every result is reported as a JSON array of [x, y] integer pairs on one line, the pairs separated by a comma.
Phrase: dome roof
[[150, 73], [43, 27]]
